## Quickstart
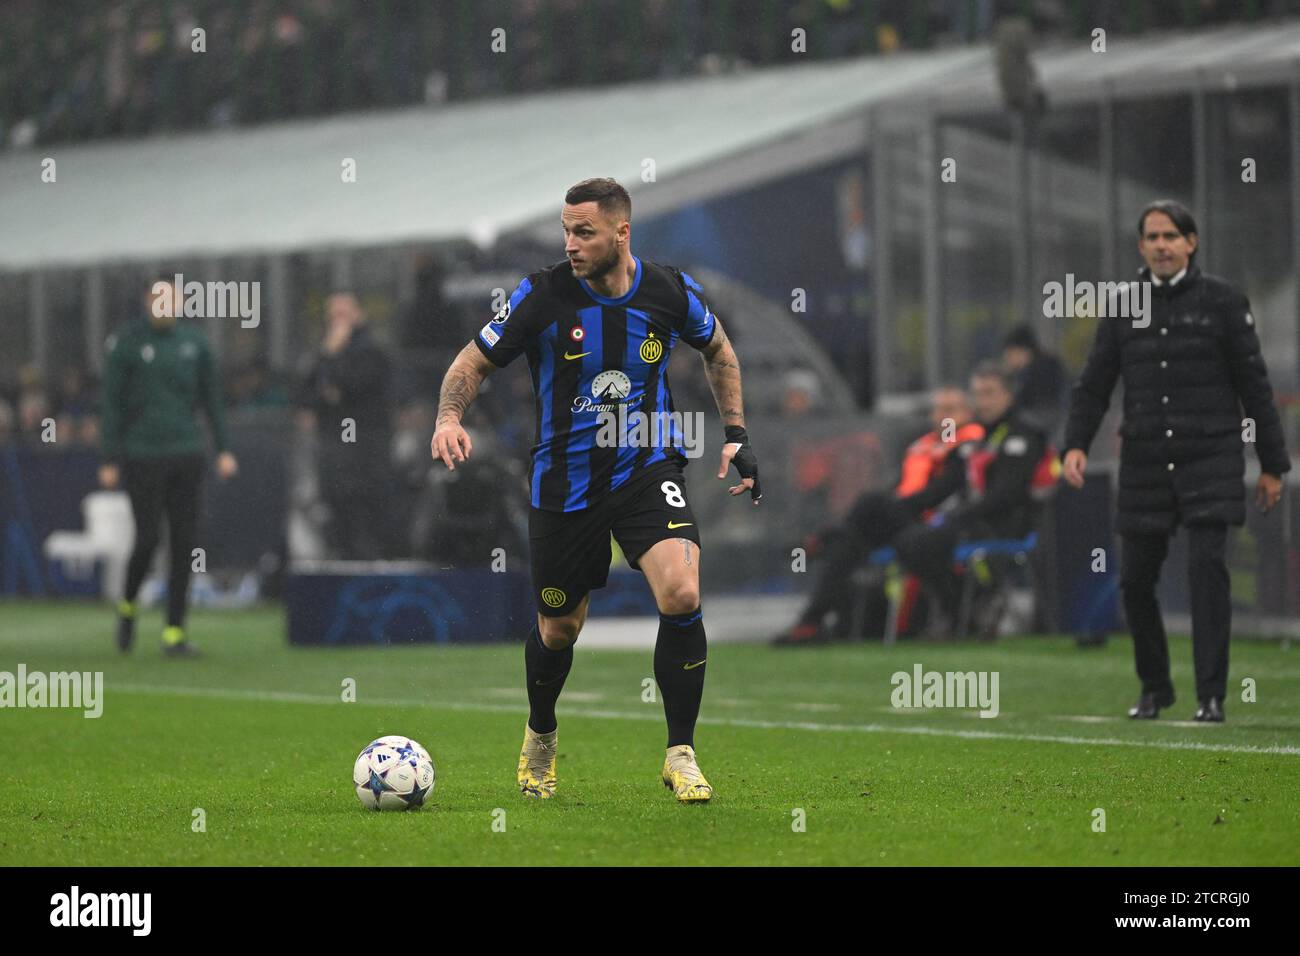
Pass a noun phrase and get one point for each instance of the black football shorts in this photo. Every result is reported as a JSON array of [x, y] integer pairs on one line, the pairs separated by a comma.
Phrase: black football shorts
[[570, 551]]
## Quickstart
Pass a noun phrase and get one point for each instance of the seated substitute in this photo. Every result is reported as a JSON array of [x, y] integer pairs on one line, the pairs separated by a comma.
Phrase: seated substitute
[[996, 501], [927, 478]]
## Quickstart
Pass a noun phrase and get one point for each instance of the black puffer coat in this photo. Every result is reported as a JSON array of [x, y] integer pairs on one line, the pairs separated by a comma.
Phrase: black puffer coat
[[1190, 378]]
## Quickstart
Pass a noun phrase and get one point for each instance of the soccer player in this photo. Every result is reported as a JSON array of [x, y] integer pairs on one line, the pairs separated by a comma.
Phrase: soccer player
[[157, 373], [597, 330]]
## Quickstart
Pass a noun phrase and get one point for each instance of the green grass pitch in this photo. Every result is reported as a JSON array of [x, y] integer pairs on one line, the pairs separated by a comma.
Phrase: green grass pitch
[[257, 736]]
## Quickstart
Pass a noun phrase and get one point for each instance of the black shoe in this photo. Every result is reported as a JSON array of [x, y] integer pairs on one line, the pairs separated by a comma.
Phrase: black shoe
[[183, 649], [1210, 711], [1090, 639], [125, 633], [1149, 706]]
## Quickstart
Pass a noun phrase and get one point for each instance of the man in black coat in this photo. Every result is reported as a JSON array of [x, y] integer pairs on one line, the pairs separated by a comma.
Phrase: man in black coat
[[1039, 379], [349, 390], [1192, 368]]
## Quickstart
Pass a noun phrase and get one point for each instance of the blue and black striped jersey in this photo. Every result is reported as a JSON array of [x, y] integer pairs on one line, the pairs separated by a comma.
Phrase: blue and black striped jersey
[[591, 355]]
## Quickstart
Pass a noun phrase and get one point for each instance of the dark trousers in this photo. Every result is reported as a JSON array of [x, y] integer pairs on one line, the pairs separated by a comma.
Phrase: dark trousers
[[872, 523], [1207, 572], [358, 519], [927, 553], [356, 484], [159, 486]]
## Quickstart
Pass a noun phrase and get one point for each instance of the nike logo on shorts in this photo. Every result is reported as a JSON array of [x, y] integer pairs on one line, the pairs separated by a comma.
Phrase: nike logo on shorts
[[690, 667], [679, 524]]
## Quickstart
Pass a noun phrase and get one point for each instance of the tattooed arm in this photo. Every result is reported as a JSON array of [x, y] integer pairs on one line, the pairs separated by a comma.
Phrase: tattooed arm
[[723, 369], [459, 386]]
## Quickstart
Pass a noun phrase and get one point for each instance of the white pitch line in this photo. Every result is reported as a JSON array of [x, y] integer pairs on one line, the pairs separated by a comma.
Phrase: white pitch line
[[1112, 719], [801, 705], [223, 693]]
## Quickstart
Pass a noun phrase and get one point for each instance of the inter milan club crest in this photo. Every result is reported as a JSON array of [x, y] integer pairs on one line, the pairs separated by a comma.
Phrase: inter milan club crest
[[651, 350]]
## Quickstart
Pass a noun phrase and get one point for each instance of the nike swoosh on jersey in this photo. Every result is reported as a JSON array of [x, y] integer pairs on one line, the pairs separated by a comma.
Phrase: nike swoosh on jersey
[[679, 524], [578, 356], [691, 667]]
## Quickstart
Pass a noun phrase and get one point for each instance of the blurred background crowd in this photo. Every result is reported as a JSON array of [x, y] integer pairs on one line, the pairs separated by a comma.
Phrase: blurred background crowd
[[126, 68]]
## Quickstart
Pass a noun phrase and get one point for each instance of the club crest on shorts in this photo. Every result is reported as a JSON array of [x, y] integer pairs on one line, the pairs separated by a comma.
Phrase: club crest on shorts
[[553, 597]]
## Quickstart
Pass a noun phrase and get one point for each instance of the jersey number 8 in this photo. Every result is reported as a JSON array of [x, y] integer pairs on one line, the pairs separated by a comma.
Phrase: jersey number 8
[[673, 494]]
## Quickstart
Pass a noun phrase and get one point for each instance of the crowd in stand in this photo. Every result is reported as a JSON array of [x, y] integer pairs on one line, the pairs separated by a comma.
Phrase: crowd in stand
[[88, 69], [28, 407], [70, 401]]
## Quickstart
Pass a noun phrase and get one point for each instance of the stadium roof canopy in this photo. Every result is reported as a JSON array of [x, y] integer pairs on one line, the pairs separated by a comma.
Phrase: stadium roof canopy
[[1140, 66], [475, 170], [483, 169]]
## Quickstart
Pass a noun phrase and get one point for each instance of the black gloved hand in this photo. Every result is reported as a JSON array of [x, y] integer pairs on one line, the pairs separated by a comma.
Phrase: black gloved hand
[[745, 460]]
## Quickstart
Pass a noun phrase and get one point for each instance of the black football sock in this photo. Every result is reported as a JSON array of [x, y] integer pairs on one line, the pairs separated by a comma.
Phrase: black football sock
[[679, 670], [545, 672]]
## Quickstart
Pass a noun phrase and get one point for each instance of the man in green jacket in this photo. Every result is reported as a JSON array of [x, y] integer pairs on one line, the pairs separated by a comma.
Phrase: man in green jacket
[[157, 373]]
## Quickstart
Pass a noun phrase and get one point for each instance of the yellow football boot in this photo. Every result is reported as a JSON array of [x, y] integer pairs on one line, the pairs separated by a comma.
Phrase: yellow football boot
[[537, 764], [683, 777]]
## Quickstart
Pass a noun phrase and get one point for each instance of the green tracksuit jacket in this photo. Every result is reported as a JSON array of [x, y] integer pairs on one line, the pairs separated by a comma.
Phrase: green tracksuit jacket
[[154, 379]]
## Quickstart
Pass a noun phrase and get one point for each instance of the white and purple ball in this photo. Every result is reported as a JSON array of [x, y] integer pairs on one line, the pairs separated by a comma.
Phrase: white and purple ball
[[393, 773]]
